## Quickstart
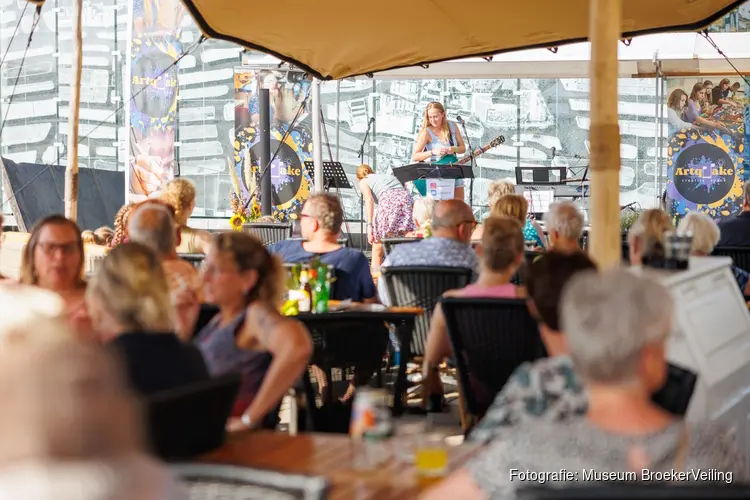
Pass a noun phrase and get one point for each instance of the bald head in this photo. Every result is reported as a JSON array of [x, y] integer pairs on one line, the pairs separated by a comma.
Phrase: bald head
[[453, 219], [154, 226]]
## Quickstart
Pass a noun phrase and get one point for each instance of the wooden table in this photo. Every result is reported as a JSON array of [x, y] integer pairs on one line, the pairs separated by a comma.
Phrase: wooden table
[[330, 456]]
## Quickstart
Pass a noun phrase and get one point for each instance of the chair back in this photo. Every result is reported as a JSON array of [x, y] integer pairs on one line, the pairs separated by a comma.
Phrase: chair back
[[196, 259], [230, 482], [422, 287], [348, 351], [677, 391], [269, 232], [490, 339], [740, 256], [389, 243], [189, 421]]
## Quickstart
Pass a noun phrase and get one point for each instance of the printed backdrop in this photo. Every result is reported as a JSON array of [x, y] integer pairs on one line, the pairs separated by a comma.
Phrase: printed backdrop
[[291, 182], [152, 96], [706, 168]]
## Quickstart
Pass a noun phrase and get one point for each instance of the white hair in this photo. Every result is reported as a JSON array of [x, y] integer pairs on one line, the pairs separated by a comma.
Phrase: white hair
[[609, 318], [704, 230], [153, 225], [565, 218], [422, 211]]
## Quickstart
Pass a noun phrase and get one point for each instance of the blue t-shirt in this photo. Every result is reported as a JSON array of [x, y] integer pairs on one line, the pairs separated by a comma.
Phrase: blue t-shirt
[[353, 278]]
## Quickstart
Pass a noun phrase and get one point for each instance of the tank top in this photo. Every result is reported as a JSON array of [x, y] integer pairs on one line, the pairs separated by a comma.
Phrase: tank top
[[219, 347], [433, 141], [380, 183], [506, 291]]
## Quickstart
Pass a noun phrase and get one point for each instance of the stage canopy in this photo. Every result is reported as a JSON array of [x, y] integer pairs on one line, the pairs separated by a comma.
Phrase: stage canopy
[[334, 39]]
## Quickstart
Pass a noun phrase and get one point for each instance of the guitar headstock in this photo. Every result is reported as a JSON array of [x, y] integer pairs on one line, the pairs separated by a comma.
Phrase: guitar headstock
[[500, 139]]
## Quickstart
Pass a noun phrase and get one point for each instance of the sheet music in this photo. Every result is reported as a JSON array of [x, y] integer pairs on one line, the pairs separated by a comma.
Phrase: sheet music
[[539, 199]]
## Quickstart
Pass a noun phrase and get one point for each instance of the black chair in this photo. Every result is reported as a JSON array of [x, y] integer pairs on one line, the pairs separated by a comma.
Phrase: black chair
[[422, 287], [740, 255], [630, 490], [196, 259], [347, 353], [389, 243], [189, 421], [490, 339], [229, 482], [677, 391], [269, 232]]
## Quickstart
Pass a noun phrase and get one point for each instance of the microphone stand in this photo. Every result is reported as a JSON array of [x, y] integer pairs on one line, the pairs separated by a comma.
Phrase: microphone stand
[[473, 164], [361, 152]]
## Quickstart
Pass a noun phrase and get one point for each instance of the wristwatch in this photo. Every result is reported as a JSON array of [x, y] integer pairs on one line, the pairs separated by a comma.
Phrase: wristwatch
[[246, 420]]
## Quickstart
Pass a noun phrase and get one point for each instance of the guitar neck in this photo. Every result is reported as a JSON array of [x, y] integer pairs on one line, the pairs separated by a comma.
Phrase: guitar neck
[[477, 152]]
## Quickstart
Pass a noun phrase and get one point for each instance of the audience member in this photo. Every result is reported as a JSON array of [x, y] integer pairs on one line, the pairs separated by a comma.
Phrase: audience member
[[130, 306], [452, 225], [646, 237], [616, 325], [321, 219], [735, 231], [180, 194], [500, 255], [547, 389], [121, 225], [248, 335], [102, 236], [516, 206], [22, 304], [53, 259], [70, 428], [155, 227], [564, 223], [424, 207], [705, 233], [497, 189]]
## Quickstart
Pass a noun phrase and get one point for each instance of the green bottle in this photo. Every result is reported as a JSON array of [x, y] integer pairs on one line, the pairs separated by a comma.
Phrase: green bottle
[[321, 291]]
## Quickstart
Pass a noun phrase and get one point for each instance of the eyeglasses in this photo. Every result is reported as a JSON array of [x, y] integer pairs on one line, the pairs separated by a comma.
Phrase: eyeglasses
[[50, 248]]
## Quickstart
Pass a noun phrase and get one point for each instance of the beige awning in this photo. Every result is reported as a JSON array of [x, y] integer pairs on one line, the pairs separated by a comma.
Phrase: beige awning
[[334, 39]]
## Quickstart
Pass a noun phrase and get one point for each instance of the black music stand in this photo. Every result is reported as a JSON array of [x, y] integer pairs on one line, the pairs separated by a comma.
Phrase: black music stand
[[550, 176], [417, 171], [333, 174]]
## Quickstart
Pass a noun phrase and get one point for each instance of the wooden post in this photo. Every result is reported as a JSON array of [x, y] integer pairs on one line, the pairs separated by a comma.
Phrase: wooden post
[[71, 171], [605, 25]]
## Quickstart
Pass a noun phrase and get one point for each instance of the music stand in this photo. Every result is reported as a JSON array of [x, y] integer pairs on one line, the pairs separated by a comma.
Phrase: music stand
[[418, 171], [550, 176], [333, 174]]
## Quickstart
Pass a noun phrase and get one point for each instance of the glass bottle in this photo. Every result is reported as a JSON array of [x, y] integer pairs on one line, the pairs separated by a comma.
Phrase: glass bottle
[[304, 299]]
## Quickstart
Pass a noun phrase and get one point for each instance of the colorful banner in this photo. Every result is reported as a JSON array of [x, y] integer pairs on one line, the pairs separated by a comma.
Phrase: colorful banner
[[290, 181], [151, 94], [747, 129], [706, 148]]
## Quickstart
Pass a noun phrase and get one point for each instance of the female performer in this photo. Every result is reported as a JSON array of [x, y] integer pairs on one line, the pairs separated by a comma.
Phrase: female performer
[[393, 218], [438, 140]]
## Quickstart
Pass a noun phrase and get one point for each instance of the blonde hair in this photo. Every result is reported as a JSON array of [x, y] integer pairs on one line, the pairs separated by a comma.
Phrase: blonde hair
[[132, 286], [511, 205], [363, 171], [121, 225], [102, 236], [249, 254], [180, 193], [28, 263], [502, 242], [648, 230], [423, 210], [88, 237], [498, 189], [704, 230], [445, 131]]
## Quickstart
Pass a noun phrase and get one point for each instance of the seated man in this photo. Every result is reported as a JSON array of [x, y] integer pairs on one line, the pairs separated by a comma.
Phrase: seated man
[[564, 224], [320, 222], [452, 226], [546, 388]]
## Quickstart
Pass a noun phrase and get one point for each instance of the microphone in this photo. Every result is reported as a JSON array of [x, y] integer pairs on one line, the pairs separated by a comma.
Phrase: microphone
[[629, 205], [372, 120], [460, 120], [554, 152]]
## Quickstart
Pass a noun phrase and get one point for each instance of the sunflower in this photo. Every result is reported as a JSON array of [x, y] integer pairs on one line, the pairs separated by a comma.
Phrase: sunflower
[[256, 210], [236, 222]]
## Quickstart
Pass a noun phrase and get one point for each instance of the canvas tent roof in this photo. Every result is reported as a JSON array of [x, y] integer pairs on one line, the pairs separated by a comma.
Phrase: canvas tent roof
[[334, 39]]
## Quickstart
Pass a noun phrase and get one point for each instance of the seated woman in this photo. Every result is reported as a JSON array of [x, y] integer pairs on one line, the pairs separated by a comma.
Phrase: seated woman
[[422, 215], [616, 326], [131, 308], [53, 259], [180, 193], [516, 206], [646, 237], [121, 225], [706, 236], [500, 255], [248, 335]]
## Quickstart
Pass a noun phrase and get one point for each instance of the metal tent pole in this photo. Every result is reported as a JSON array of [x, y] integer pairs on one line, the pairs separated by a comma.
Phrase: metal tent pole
[[317, 137]]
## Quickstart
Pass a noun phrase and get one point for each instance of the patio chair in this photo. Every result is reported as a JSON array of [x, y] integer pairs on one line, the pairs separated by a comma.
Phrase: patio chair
[[269, 232], [677, 391], [390, 243], [740, 255], [230, 482], [490, 339], [422, 287]]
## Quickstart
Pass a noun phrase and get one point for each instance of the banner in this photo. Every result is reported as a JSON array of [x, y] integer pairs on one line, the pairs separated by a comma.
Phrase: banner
[[151, 94], [705, 152], [290, 181]]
